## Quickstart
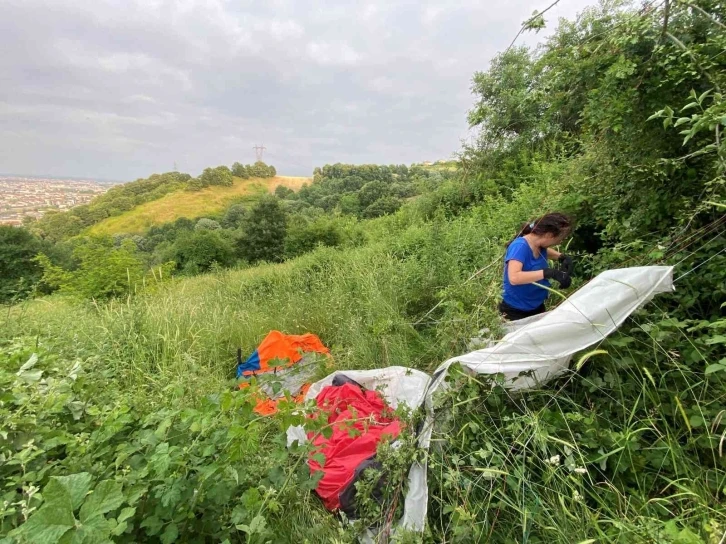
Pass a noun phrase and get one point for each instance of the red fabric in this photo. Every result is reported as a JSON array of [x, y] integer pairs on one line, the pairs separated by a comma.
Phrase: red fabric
[[349, 408]]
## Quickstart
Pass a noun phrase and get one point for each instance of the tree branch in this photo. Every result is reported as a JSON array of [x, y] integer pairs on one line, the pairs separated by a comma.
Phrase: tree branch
[[667, 11], [525, 23]]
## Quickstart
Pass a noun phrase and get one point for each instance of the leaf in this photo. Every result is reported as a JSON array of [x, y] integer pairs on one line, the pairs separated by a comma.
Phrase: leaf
[[30, 363], [125, 514], [106, 497], [716, 367], [587, 356], [232, 473], [703, 96], [120, 528], [49, 524], [689, 106], [683, 413], [258, 525], [71, 489], [718, 339], [696, 421], [170, 534], [682, 121], [31, 376], [152, 524], [95, 530]]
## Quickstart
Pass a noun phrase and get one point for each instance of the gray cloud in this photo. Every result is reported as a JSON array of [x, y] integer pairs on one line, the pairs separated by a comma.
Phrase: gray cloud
[[120, 89]]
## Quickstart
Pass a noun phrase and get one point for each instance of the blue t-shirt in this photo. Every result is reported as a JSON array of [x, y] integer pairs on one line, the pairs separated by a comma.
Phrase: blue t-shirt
[[530, 296]]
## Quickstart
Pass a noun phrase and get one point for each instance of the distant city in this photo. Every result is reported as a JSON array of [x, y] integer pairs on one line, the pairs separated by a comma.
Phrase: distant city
[[27, 196]]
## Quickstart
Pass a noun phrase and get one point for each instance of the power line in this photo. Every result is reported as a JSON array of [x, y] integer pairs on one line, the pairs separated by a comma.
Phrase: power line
[[259, 151]]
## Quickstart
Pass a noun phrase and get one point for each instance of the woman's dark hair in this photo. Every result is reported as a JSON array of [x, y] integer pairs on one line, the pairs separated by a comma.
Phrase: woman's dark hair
[[556, 224]]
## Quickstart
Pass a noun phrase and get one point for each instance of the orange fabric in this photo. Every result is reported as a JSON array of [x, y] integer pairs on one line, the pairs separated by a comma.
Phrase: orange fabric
[[266, 406], [282, 347], [285, 346]]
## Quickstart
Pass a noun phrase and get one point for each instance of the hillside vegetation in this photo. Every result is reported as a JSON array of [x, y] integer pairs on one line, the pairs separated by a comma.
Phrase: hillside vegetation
[[120, 415], [192, 205]]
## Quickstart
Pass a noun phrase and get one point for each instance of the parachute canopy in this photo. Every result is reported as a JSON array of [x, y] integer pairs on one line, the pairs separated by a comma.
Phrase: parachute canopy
[[285, 357]]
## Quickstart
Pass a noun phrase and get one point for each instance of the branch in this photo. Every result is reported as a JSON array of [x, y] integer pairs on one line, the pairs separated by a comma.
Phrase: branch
[[704, 12], [525, 23], [665, 19]]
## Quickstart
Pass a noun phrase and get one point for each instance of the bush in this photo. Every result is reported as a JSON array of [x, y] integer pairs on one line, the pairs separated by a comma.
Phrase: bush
[[103, 271], [207, 224], [303, 237], [197, 251], [19, 271]]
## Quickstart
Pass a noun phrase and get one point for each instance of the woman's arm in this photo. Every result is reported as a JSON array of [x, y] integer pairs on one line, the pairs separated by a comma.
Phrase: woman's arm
[[553, 255], [517, 277]]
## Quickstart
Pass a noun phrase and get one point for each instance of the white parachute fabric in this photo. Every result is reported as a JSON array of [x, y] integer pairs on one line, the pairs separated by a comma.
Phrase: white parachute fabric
[[396, 384], [541, 347], [533, 351]]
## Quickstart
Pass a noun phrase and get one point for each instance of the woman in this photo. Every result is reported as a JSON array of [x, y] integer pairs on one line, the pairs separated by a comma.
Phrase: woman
[[526, 267]]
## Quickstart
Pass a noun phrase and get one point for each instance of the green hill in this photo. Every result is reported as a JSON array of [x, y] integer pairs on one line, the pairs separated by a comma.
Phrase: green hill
[[183, 203]]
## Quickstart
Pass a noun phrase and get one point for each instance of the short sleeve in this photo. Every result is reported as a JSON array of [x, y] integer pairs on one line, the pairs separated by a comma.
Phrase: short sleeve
[[517, 251]]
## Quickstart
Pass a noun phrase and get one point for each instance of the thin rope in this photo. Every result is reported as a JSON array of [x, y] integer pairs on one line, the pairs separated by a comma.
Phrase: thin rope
[[700, 265]]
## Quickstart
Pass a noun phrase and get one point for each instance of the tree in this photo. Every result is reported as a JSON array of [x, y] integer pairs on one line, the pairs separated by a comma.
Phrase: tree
[[350, 204], [264, 231], [240, 170], [197, 251], [303, 237], [207, 224], [221, 175], [382, 206], [372, 191], [104, 270], [283, 192], [507, 105], [56, 226], [18, 269], [261, 170], [233, 216]]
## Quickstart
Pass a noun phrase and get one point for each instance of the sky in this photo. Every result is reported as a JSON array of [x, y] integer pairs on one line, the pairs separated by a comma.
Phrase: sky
[[120, 89]]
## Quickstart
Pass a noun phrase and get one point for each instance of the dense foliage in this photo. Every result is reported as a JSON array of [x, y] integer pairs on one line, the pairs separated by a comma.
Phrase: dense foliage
[[618, 119], [368, 190]]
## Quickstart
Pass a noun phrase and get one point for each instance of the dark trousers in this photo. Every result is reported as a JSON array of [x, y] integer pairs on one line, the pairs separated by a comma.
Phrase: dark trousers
[[513, 314]]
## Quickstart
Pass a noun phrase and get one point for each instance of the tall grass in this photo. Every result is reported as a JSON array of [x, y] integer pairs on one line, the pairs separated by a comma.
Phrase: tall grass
[[625, 451]]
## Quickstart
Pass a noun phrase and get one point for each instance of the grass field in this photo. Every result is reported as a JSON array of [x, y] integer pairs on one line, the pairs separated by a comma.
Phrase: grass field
[[192, 204]]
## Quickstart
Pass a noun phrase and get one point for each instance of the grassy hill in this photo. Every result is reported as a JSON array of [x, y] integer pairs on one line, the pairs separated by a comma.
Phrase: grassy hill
[[192, 204], [122, 420]]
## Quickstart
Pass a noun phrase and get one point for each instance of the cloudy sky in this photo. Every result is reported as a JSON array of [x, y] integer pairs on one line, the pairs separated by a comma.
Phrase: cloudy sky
[[119, 89]]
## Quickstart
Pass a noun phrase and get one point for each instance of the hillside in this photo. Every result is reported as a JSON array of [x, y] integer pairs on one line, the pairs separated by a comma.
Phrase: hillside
[[182, 203], [123, 419]]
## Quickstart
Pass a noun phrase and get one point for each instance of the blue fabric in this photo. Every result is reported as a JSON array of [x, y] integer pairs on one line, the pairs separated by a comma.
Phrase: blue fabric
[[252, 363], [524, 297]]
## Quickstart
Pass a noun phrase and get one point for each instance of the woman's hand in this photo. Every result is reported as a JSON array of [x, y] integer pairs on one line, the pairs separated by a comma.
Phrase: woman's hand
[[566, 264], [560, 276]]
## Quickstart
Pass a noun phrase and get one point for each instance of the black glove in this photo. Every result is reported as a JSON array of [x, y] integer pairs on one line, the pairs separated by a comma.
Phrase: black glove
[[559, 275], [566, 264]]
